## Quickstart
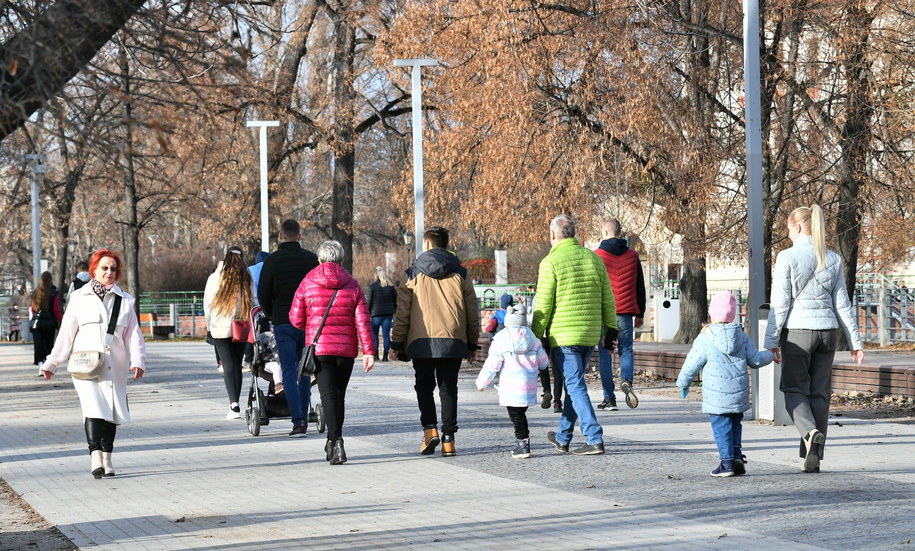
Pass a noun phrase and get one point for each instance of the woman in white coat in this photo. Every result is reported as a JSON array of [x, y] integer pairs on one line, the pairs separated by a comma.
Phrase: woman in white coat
[[809, 305], [84, 327]]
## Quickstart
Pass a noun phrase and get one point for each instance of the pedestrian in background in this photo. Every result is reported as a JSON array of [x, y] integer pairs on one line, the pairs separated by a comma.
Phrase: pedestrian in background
[[382, 302], [44, 318], [15, 321], [516, 356], [227, 298], [330, 288], [103, 400], [722, 351], [809, 304]]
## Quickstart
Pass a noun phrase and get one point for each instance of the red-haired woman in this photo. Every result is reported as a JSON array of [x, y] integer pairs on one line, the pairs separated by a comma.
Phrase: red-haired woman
[[228, 296], [85, 327], [45, 311]]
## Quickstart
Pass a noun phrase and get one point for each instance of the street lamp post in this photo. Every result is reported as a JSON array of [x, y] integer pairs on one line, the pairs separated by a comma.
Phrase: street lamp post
[[37, 170], [408, 238], [265, 229], [417, 107]]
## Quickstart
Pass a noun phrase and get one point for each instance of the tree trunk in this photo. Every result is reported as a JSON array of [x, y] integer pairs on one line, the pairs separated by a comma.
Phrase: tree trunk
[[693, 285], [39, 60], [344, 145], [132, 234]]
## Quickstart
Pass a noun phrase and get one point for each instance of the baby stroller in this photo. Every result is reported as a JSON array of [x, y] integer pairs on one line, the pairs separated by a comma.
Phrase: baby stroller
[[263, 406]]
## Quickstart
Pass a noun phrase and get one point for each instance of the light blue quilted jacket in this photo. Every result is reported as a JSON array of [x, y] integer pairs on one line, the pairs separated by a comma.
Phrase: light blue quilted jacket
[[821, 304], [724, 351]]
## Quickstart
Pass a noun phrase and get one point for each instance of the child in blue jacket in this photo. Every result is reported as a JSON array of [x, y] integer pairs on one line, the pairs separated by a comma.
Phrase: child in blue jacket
[[724, 350]]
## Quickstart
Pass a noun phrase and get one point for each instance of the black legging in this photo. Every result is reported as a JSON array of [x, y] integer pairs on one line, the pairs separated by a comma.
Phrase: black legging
[[519, 421], [231, 353], [333, 379], [44, 342], [100, 434]]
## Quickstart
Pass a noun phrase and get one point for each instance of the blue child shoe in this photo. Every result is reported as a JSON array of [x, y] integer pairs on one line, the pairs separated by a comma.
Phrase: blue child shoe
[[725, 468]]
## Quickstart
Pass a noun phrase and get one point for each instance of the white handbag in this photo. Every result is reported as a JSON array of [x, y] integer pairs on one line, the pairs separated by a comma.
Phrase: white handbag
[[88, 364]]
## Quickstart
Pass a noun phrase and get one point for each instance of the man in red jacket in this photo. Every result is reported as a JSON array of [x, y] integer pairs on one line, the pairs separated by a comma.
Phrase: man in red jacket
[[628, 283]]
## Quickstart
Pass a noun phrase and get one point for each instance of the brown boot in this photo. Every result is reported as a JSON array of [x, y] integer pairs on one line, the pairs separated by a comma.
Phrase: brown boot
[[430, 440], [448, 446]]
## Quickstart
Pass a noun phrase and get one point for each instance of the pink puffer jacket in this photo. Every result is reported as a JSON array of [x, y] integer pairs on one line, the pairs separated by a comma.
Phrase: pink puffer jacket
[[348, 316]]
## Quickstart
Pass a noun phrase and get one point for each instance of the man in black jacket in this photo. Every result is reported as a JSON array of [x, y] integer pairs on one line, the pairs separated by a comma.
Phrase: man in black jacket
[[281, 275]]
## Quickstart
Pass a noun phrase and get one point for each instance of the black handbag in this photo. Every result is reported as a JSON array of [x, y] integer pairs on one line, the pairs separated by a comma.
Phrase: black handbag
[[42, 322], [308, 364]]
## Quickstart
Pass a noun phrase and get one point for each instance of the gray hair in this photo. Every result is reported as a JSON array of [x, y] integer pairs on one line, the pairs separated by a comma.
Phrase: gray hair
[[330, 251], [563, 226]]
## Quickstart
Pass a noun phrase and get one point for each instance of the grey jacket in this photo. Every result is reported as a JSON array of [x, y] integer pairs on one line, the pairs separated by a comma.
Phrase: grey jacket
[[820, 304]]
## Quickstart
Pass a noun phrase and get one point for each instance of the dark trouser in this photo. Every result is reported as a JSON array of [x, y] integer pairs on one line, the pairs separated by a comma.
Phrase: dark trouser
[[807, 357], [249, 352], [231, 353], [558, 380], [445, 372], [14, 335], [333, 379], [519, 420], [44, 342], [100, 434]]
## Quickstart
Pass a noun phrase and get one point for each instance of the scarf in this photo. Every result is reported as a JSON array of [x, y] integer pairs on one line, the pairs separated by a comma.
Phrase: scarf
[[99, 289]]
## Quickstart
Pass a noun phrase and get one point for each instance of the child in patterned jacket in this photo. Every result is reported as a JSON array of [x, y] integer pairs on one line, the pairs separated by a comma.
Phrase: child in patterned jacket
[[518, 355]]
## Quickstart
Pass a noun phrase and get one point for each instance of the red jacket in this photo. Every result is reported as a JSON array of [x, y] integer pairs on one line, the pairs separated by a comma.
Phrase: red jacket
[[348, 316], [626, 277]]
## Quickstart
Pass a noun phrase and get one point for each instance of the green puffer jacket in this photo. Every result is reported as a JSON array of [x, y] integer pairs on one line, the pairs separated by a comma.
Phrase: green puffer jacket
[[573, 291]]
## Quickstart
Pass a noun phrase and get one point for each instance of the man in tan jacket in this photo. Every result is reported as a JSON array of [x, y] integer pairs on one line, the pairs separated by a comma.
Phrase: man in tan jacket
[[437, 324]]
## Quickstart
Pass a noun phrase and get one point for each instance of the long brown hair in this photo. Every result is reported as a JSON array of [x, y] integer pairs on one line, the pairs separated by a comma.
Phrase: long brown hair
[[234, 291], [41, 297]]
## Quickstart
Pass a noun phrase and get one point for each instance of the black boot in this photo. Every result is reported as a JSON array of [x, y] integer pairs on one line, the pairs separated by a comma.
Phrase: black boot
[[385, 357], [329, 449], [339, 456]]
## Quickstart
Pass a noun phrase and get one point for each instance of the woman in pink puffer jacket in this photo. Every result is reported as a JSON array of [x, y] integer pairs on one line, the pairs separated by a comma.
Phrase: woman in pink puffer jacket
[[347, 326]]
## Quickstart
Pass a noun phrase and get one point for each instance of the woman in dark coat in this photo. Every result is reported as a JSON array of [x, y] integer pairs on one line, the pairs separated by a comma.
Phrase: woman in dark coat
[[382, 301], [44, 318]]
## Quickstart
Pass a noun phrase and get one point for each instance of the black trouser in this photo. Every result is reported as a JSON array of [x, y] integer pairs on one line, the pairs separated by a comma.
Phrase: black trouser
[[231, 353], [100, 434], [445, 372], [14, 335], [44, 342], [333, 378], [519, 420]]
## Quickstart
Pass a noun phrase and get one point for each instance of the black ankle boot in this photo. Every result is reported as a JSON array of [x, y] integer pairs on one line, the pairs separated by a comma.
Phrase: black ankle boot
[[339, 454], [329, 449], [385, 357]]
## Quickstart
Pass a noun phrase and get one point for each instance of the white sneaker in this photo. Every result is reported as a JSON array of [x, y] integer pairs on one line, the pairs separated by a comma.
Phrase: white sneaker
[[233, 415], [219, 368]]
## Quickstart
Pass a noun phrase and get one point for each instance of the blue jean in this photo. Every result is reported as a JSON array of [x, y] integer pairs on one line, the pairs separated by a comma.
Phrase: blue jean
[[289, 344], [728, 432], [384, 323], [624, 347], [577, 404]]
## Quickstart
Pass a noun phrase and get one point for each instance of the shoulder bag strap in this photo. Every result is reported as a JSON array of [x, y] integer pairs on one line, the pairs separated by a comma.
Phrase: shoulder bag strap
[[323, 319], [113, 321]]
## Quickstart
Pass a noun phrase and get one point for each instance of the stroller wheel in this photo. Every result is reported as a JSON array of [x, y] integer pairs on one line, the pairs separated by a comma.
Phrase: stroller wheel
[[320, 414], [253, 417]]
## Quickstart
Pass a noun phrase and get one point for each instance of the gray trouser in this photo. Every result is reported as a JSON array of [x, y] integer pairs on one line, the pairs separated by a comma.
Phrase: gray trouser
[[807, 356]]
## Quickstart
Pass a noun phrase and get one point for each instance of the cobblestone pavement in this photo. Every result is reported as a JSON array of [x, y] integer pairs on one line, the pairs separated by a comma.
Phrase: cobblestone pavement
[[190, 479]]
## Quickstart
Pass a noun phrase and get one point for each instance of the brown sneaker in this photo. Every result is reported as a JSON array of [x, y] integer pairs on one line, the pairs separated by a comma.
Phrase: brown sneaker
[[448, 446], [430, 440], [298, 431]]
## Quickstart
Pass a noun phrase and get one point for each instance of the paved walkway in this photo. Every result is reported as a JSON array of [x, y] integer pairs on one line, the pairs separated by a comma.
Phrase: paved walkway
[[189, 479]]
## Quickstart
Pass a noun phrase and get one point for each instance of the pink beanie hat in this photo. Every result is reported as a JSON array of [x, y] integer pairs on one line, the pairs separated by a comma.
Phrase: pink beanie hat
[[723, 307]]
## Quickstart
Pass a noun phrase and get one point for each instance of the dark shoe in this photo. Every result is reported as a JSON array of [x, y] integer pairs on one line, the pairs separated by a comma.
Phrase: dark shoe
[[631, 399], [385, 357], [814, 442], [339, 454], [590, 449], [522, 449], [562, 448], [448, 446], [329, 449], [740, 461], [430, 440], [547, 399], [608, 404], [725, 468], [299, 431], [557, 407]]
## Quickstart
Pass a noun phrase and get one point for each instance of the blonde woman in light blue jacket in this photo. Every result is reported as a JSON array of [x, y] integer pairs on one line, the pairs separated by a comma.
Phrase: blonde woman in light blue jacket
[[809, 304]]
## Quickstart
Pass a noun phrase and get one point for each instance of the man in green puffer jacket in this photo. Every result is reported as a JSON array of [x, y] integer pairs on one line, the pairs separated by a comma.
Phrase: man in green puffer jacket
[[573, 305]]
